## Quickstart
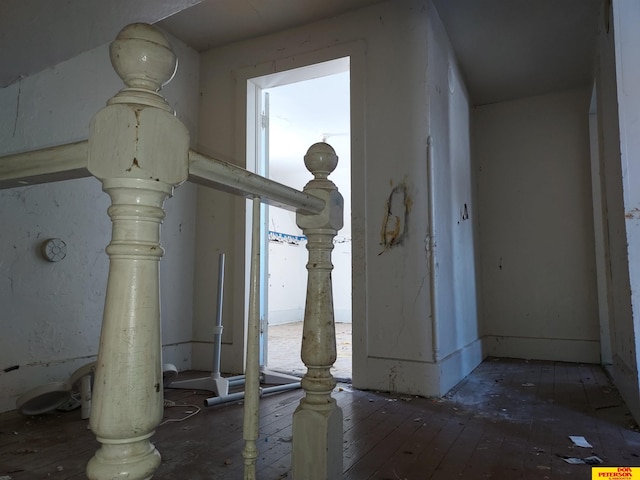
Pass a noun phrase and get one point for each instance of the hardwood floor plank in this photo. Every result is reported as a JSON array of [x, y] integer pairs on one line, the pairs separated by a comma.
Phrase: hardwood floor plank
[[483, 460], [455, 460], [435, 450], [389, 445], [413, 446], [366, 435]]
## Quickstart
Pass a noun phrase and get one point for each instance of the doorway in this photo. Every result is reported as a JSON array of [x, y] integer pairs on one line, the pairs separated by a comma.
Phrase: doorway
[[293, 110]]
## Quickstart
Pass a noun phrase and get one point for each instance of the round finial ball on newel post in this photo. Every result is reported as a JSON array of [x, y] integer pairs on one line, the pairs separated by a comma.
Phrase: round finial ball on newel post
[[142, 56], [321, 160]]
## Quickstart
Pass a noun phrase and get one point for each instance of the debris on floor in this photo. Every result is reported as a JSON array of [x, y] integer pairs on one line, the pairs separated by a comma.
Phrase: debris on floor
[[579, 441], [593, 460]]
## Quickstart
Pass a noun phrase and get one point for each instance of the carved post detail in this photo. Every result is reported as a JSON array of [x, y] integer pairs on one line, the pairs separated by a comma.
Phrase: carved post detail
[[138, 149], [317, 422]]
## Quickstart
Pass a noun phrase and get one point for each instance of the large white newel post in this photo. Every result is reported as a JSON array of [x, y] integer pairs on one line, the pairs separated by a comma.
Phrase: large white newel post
[[317, 422], [138, 149]]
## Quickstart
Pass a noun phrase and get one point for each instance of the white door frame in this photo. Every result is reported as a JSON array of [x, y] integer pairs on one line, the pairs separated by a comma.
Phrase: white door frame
[[258, 161], [270, 72]]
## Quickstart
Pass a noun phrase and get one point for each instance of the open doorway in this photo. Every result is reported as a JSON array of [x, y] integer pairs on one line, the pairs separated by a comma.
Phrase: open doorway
[[293, 110]]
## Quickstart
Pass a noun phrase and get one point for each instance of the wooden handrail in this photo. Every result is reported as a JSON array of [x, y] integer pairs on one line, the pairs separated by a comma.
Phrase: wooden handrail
[[221, 175], [51, 164], [64, 162]]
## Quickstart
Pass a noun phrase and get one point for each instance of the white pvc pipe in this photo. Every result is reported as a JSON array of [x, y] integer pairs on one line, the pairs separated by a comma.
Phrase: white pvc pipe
[[210, 402], [217, 332], [252, 369], [431, 254], [85, 397]]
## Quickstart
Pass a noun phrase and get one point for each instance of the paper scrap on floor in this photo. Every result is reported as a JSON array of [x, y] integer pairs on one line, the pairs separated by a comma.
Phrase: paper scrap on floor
[[580, 441], [582, 461]]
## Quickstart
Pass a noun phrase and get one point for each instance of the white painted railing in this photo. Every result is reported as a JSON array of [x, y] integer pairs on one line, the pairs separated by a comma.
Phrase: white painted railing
[[46, 165], [139, 150]]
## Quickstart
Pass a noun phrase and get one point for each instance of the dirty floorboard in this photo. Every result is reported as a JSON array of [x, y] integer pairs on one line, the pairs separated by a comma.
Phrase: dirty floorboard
[[510, 419]]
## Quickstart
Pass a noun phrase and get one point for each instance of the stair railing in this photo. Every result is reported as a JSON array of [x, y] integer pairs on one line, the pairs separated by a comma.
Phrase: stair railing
[[140, 152]]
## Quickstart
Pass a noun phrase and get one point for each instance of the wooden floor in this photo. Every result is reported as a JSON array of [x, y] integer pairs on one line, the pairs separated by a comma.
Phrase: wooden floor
[[509, 419]]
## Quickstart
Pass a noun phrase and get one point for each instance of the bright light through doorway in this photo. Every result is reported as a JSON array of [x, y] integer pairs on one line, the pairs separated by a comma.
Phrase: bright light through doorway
[[301, 114]]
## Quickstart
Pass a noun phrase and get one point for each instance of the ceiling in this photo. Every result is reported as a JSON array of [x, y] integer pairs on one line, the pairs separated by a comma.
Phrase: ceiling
[[37, 34], [510, 49], [214, 23], [506, 48]]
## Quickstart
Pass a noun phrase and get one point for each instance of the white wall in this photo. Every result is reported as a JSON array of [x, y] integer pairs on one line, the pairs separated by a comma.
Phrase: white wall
[[536, 228], [51, 312], [392, 316], [600, 229], [454, 217], [618, 77], [288, 273], [287, 282]]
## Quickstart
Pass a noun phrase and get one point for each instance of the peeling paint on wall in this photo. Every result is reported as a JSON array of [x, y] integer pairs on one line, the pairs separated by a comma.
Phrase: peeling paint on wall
[[634, 213], [286, 238], [17, 117], [395, 226], [393, 374]]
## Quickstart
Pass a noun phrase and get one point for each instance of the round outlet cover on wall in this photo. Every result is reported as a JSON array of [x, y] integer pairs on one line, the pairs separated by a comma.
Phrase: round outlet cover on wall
[[54, 249]]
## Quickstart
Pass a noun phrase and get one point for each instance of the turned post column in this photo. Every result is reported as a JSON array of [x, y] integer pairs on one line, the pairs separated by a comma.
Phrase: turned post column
[[138, 149], [317, 422]]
